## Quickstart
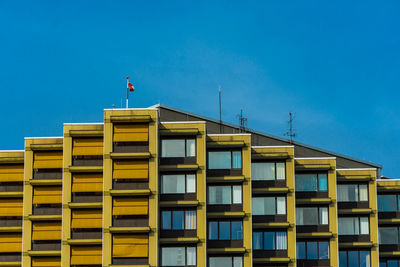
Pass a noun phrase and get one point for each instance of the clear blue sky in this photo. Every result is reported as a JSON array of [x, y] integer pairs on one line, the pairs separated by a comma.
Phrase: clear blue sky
[[335, 64]]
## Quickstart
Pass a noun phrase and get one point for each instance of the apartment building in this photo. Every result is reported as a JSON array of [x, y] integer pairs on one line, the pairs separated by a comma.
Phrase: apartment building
[[159, 186]]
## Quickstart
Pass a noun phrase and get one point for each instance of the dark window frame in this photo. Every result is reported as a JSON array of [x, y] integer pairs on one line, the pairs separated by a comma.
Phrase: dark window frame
[[172, 219], [226, 150], [174, 246], [179, 138], [231, 186], [218, 229], [359, 256], [358, 188], [263, 242], [318, 253], [276, 170], [177, 173], [318, 174]]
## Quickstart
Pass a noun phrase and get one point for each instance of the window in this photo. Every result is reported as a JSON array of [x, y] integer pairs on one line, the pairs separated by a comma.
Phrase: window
[[389, 235], [312, 216], [225, 195], [225, 262], [268, 205], [389, 263], [312, 250], [178, 148], [353, 225], [354, 258], [225, 230], [269, 240], [218, 160], [388, 203], [178, 256], [178, 183], [178, 220], [264, 171], [352, 192], [312, 182]]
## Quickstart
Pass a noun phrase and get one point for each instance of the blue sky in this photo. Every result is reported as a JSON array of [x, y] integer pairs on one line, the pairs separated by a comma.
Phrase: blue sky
[[335, 64]]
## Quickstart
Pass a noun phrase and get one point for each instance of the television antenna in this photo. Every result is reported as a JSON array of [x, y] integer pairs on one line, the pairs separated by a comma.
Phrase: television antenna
[[290, 133]]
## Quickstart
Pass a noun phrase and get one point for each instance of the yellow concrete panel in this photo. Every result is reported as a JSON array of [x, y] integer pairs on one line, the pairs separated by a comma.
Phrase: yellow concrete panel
[[47, 194], [10, 243], [87, 182], [11, 207], [130, 206], [48, 160], [11, 173], [46, 230], [130, 246], [87, 146], [46, 261], [131, 132], [80, 255], [87, 218]]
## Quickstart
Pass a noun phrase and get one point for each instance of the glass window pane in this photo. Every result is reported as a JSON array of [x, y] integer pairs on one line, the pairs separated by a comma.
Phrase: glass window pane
[[391, 264], [190, 148], [322, 182], [363, 190], [312, 250], [172, 148], [280, 171], [220, 261], [190, 219], [213, 230], [365, 260], [309, 216], [383, 264], [173, 256], [346, 226], [224, 230], [263, 206], [219, 195], [237, 232], [219, 160], [387, 203], [166, 220], [343, 259], [281, 205], [364, 226], [323, 249], [347, 193], [237, 159], [353, 258], [262, 171], [300, 250], [281, 240], [173, 184], [237, 262], [257, 240], [177, 220], [388, 235], [269, 240], [190, 183], [323, 214], [306, 182], [237, 194], [191, 256]]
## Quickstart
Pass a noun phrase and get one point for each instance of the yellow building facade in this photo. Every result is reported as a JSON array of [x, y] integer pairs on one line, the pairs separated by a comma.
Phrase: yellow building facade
[[159, 186]]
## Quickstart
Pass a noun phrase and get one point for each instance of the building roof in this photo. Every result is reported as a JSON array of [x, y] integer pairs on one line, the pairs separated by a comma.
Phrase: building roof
[[214, 126]]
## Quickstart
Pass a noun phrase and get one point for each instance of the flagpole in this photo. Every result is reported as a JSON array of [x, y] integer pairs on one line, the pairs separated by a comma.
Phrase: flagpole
[[127, 91]]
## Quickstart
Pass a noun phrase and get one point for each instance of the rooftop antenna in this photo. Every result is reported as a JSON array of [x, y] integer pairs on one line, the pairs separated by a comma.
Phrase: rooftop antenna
[[290, 133], [242, 122], [220, 111]]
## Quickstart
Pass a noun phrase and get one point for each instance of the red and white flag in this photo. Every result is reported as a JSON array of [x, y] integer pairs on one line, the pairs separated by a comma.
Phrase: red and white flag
[[130, 86]]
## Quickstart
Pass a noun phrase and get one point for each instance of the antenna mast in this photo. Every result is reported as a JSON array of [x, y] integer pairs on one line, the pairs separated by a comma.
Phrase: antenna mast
[[242, 122], [220, 113], [290, 133]]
